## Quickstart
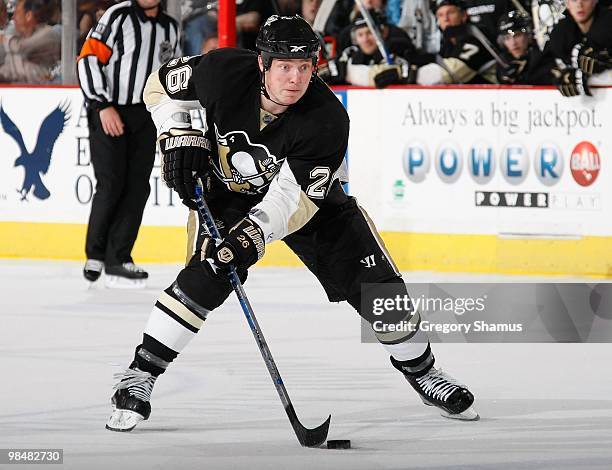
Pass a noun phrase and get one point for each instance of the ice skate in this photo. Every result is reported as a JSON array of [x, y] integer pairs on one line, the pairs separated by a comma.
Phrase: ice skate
[[125, 276], [436, 388], [93, 269], [131, 399]]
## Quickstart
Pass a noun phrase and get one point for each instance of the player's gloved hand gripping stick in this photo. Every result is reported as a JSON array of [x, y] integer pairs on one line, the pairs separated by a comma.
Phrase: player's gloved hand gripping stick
[[307, 437]]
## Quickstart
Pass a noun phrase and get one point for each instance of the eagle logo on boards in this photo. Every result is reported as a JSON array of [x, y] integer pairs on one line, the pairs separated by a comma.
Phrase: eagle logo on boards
[[36, 163], [243, 166]]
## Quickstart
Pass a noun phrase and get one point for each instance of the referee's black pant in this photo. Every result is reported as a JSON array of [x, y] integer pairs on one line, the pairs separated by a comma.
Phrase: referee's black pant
[[122, 167]]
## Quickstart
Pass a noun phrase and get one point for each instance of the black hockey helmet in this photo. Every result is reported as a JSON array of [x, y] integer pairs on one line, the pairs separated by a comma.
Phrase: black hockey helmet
[[514, 22], [435, 4], [378, 17], [287, 37]]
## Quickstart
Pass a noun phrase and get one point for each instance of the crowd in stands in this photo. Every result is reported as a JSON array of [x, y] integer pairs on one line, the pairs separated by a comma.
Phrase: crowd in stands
[[436, 42], [424, 42], [30, 41]]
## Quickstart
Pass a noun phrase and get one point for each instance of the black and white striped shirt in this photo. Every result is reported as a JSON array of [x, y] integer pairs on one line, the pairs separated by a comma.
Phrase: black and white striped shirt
[[121, 51]]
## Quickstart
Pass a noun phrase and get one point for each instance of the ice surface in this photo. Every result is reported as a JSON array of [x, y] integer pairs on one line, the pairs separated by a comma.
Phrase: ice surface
[[542, 405]]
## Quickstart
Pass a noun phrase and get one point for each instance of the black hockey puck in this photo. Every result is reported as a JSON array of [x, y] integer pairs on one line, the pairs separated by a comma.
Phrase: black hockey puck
[[339, 444]]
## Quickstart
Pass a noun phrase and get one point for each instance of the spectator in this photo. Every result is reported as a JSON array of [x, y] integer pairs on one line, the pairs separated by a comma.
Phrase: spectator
[[546, 14], [463, 58], [581, 44], [364, 65], [32, 53], [288, 7], [200, 24], [345, 37], [250, 15], [527, 64], [132, 39], [309, 10], [486, 14], [4, 19], [339, 18], [89, 13], [419, 21], [211, 43]]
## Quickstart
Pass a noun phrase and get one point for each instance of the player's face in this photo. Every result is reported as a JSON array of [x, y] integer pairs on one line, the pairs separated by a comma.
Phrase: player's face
[[450, 15], [581, 10], [365, 40], [517, 44], [288, 79]]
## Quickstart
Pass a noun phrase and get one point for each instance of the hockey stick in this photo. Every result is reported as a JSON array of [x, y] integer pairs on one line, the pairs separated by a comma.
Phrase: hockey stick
[[520, 8], [375, 31], [307, 437], [322, 16], [487, 45]]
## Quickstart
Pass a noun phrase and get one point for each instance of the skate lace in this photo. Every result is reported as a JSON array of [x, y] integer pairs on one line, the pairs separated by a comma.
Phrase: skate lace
[[94, 265], [139, 383], [438, 385], [133, 268]]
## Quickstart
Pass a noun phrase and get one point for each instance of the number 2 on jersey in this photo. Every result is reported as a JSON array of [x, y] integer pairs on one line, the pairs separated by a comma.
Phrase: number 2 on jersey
[[320, 175]]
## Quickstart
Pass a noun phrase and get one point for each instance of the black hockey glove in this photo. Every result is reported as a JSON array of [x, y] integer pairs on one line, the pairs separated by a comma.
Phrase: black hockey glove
[[510, 75], [401, 73], [571, 82], [589, 61], [242, 247], [185, 155], [332, 72]]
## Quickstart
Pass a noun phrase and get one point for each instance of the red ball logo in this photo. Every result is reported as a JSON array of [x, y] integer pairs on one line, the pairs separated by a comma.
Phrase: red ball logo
[[585, 163]]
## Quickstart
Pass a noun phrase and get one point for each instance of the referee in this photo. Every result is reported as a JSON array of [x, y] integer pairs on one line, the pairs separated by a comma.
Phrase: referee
[[132, 39]]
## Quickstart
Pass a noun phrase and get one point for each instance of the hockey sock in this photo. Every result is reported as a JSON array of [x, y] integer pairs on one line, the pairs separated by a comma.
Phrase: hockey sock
[[152, 356], [404, 360], [174, 321]]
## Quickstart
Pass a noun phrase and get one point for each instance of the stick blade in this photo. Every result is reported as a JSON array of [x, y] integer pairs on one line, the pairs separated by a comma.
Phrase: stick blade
[[308, 437], [314, 437]]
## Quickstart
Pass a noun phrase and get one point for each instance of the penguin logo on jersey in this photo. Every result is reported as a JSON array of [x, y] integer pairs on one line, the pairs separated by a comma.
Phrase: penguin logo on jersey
[[243, 166]]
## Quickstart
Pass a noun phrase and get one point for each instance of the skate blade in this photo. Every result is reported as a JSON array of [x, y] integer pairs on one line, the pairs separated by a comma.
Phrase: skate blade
[[118, 282], [123, 420], [91, 285], [468, 415]]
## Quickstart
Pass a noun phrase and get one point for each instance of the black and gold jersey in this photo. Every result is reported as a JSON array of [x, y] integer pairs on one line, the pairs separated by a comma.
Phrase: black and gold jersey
[[286, 164]]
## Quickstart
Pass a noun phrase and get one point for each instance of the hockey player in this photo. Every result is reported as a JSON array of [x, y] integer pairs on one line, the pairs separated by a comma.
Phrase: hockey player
[[581, 44], [362, 64], [486, 14], [527, 64], [278, 136], [462, 58]]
